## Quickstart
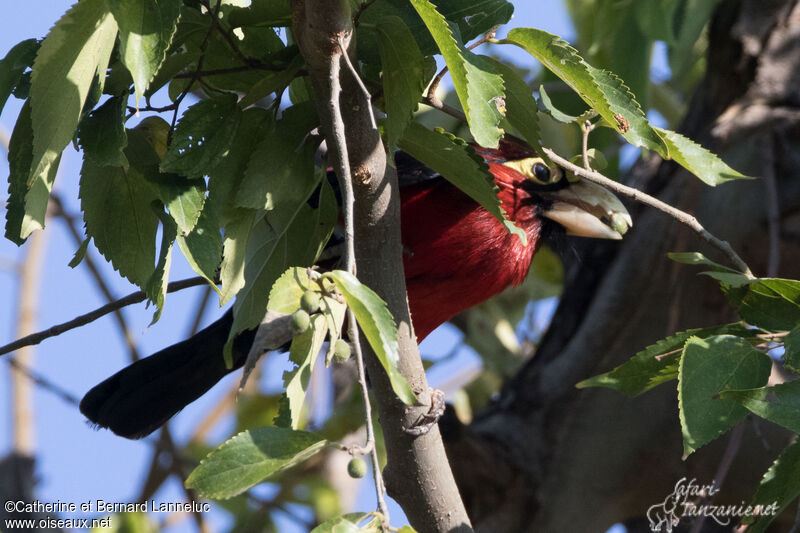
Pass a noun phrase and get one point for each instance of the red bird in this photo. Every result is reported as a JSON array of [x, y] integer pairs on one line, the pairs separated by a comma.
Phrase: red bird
[[457, 255]]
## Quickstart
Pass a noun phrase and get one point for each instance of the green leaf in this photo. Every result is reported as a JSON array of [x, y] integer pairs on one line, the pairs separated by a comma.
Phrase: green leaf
[[342, 524], [285, 294], [779, 487], [481, 92], [602, 90], [145, 33], [459, 165], [74, 53], [173, 64], [696, 258], [203, 134], [273, 82], [281, 169], [791, 345], [303, 353], [403, 76], [697, 160], [779, 404], [156, 288], [80, 253], [116, 205], [262, 13], [521, 109], [183, 197], [658, 363], [202, 248], [769, 303], [558, 115], [378, 326], [12, 67], [707, 367], [657, 18], [234, 254], [272, 248], [251, 457], [102, 134]]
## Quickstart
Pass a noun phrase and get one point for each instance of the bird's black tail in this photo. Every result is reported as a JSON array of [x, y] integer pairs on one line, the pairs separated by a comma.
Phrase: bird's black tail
[[138, 399]]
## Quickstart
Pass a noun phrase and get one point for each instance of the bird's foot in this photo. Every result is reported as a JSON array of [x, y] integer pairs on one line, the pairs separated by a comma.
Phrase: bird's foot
[[427, 420]]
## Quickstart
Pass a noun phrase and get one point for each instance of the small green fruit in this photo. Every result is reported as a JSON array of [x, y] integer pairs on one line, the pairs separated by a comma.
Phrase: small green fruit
[[357, 468], [310, 301], [341, 351], [300, 321]]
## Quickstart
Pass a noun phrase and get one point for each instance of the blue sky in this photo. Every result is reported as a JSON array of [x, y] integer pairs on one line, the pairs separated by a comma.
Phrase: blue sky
[[74, 462]]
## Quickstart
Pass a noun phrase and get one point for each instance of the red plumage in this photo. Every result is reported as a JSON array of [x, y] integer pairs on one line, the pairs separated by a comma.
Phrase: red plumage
[[457, 254]]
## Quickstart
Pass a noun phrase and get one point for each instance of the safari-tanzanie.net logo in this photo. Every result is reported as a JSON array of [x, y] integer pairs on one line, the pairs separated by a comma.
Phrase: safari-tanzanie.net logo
[[691, 500]]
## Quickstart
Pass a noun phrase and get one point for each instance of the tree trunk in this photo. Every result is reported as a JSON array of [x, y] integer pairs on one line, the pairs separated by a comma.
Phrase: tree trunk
[[549, 457]]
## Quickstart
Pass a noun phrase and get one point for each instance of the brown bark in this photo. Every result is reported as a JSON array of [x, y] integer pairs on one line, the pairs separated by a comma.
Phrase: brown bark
[[548, 457]]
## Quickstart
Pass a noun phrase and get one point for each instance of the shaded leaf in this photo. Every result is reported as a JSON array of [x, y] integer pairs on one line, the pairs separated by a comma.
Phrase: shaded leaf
[[707, 367], [156, 288], [779, 487], [303, 353], [204, 132], [779, 404], [202, 247], [658, 363], [791, 345], [102, 134], [769, 303], [17, 61], [403, 76]]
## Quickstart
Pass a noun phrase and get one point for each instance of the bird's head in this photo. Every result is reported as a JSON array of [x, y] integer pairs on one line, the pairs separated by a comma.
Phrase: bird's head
[[530, 188]]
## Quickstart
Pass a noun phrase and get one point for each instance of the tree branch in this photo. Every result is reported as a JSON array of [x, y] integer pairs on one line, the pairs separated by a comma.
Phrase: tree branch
[[133, 298]]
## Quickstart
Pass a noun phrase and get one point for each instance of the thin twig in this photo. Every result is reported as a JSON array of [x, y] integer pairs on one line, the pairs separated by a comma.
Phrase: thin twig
[[586, 128], [363, 7], [225, 35], [444, 108], [339, 144], [42, 382], [644, 198], [359, 81], [133, 298]]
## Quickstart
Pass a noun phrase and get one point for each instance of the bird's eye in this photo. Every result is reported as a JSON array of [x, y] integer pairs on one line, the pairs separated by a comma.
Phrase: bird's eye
[[541, 172]]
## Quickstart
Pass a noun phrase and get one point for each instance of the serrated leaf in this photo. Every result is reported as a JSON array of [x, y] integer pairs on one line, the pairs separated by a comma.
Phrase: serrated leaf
[[779, 487], [74, 53], [779, 404], [183, 197], [697, 160], [769, 303], [707, 367], [520, 103], [481, 92], [20, 154], [459, 165], [145, 33], [156, 288], [285, 294], [271, 249], [378, 326], [250, 458], [16, 62], [116, 205], [602, 90], [341, 524], [281, 168], [202, 247], [203, 134], [658, 363], [303, 353], [403, 76], [102, 134]]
